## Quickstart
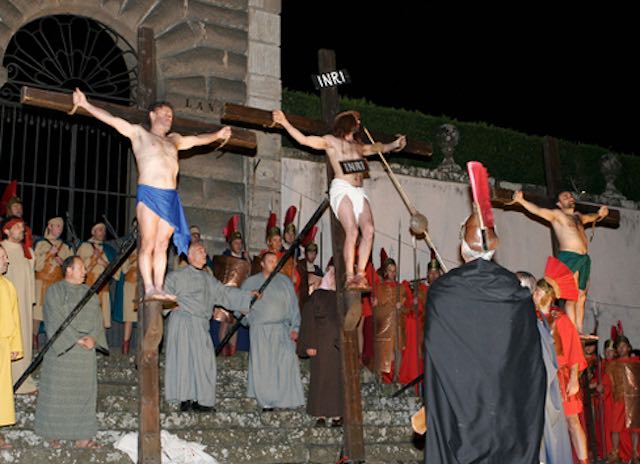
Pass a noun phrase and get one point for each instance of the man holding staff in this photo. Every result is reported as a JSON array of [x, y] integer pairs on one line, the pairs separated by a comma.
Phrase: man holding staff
[[349, 201]]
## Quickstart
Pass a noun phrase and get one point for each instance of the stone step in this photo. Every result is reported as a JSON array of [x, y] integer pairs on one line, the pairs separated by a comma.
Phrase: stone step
[[231, 436], [123, 369], [129, 403], [123, 398], [275, 454], [116, 420]]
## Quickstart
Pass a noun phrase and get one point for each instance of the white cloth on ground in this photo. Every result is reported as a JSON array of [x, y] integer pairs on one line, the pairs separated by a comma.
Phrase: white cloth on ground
[[174, 449], [339, 188]]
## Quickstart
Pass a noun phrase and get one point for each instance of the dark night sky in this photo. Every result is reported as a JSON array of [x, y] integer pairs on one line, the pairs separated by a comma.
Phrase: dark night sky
[[570, 74]]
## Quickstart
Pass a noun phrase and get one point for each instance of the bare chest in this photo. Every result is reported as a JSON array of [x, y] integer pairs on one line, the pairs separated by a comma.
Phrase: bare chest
[[151, 146]]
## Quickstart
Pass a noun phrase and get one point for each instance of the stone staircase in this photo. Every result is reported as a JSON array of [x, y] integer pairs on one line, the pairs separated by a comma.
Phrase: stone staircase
[[239, 432]]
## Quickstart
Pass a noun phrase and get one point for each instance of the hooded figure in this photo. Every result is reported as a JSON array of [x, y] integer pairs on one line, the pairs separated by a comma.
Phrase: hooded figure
[[484, 375]]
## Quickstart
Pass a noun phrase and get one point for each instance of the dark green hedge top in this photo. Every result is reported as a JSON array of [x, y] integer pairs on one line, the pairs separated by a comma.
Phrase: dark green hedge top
[[508, 155]]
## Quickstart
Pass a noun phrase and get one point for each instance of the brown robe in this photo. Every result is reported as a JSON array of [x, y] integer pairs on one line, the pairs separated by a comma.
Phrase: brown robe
[[320, 329]]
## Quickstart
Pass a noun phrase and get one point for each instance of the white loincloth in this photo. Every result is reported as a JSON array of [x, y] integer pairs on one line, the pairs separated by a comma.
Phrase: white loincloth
[[341, 188]]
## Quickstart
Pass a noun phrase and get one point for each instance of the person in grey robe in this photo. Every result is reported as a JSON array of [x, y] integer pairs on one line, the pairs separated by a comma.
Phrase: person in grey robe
[[320, 340], [274, 322], [66, 407], [190, 372]]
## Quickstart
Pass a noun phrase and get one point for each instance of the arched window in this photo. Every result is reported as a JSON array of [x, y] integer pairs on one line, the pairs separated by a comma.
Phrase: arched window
[[68, 164]]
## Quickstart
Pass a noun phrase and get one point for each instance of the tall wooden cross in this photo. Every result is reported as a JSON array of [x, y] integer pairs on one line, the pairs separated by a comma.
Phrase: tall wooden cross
[[150, 326], [501, 198], [348, 302]]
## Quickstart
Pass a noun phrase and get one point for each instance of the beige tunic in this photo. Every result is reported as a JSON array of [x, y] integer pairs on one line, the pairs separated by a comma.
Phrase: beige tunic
[[22, 277], [94, 269], [48, 271]]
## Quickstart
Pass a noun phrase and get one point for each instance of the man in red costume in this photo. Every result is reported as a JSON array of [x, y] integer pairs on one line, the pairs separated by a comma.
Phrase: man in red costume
[[389, 307], [624, 439], [571, 360]]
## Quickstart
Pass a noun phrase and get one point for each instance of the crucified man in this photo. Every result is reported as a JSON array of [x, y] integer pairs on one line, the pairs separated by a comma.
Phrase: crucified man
[[568, 226], [349, 201], [158, 209]]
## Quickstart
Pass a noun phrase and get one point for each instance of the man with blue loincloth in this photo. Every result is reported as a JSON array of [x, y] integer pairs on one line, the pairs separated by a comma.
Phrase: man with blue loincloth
[[159, 211], [568, 226]]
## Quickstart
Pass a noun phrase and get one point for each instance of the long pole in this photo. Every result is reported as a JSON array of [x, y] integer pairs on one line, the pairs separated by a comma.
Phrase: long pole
[[296, 243], [416, 298], [396, 311], [421, 219]]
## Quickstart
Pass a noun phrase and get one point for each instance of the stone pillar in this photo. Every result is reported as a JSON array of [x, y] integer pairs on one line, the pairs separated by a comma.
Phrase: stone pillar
[[264, 90]]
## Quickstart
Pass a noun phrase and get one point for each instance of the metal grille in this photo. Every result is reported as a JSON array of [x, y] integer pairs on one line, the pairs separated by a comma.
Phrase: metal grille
[[66, 164], [63, 52]]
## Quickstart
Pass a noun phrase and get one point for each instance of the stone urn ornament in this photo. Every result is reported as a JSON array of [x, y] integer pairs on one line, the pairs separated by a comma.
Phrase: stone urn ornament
[[610, 166], [448, 137]]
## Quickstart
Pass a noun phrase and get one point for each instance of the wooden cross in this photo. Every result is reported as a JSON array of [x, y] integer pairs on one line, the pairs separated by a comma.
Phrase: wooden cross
[[500, 198], [348, 302], [263, 120], [150, 325]]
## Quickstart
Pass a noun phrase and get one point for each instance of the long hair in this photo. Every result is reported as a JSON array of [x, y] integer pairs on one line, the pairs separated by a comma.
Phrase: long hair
[[345, 123], [549, 293]]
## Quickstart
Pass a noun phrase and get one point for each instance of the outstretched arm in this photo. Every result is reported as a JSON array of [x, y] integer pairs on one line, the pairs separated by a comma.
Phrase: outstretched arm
[[602, 213], [312, 141], [397, 145], [184, 142], [544, 213], [124, 127]]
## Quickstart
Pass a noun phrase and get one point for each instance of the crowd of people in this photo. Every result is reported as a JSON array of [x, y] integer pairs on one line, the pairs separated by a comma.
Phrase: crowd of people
[[508, 376], [293, 318]]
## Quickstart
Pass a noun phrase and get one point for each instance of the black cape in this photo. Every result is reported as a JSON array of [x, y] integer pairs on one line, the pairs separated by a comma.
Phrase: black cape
[[485, 377]]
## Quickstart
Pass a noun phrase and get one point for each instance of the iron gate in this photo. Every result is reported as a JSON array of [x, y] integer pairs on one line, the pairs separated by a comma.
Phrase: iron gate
[[66, 165]]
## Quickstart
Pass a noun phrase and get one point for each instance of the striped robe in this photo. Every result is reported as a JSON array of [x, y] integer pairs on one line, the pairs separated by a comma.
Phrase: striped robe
[[66, 407]]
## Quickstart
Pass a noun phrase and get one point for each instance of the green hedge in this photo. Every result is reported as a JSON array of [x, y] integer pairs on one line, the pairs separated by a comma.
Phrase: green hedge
[[508, 155]]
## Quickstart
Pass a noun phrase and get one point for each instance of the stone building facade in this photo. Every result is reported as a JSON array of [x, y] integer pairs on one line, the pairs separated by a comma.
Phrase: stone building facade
[[208, 52]]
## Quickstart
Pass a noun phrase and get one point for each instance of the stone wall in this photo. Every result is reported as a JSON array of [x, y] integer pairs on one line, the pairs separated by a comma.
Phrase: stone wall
[[208, 52], [525, 244]]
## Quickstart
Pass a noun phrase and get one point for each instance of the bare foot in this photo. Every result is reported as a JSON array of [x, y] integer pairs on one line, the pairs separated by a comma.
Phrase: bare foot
[[87, 444], [4, 444], [358, 283], [157, 294], [55, 444]]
